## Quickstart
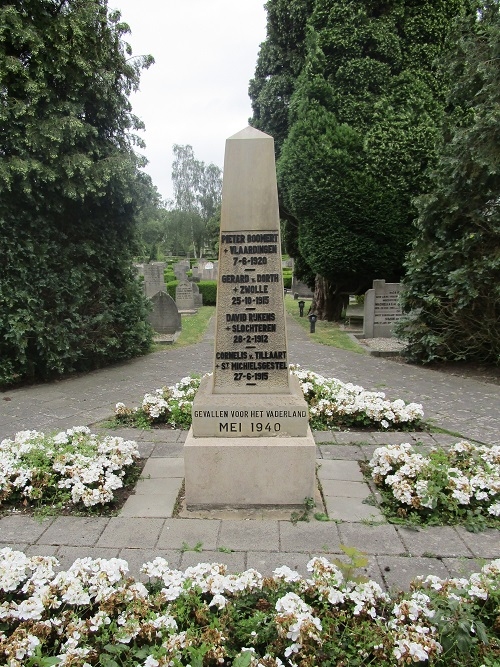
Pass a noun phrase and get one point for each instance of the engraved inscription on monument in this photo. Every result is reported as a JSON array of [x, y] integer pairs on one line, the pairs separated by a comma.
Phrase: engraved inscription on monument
[[250, 355], [387, 308], [382, 309]]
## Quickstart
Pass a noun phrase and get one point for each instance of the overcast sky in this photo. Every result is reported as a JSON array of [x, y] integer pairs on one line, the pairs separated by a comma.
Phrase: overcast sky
[[196, 93]]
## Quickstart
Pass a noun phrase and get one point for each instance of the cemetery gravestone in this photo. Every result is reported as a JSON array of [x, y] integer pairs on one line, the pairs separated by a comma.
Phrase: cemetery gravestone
[[162, 265], [198, 296], [300, 289], [382, 310], [181, 269], [210, 271], [154, 280], [184, 296], [165, 317], [250, 444]]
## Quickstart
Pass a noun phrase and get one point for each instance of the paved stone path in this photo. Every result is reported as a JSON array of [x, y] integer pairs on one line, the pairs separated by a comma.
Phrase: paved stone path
[[145, 528]]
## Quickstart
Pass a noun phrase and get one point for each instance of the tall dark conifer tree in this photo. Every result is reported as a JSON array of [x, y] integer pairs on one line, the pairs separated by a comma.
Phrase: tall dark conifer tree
[[370, 67]]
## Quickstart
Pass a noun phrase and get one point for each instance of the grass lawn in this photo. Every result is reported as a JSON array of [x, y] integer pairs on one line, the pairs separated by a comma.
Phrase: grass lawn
[[194, 326], [327, 333]]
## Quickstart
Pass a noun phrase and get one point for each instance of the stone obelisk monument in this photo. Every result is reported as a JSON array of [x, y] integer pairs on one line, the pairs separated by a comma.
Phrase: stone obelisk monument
[[250, 444]]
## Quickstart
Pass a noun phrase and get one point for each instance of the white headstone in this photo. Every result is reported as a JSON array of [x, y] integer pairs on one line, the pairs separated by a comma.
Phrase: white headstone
[[184, 295], [154, 280], [382, 310]]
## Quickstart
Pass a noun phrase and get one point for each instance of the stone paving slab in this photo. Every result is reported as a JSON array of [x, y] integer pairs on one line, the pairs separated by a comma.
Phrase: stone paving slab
[[485, 544], [318, 537], [434, 540], [176, 533], [22, 528], [341, 452], [38, 549], [74, 530], [321, 437], [138, 533], [145, 449], [398, 572], [167, 450], [349, 437], [372, 539], [158, 505], [238, 535], [352, 510], [157, 486], [340, 470], [340, 488], [166, 467]]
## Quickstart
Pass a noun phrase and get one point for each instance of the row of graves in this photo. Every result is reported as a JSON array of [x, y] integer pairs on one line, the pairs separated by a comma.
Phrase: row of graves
[[377, 317]]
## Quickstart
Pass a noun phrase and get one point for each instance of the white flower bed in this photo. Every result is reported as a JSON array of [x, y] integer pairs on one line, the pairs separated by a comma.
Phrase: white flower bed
[[78, 614], [74, 464], [465, 478], [332, 403]]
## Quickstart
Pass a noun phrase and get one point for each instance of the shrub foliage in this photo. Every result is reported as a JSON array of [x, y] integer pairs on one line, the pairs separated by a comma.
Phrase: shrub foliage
[[68, 177], [453, 278]]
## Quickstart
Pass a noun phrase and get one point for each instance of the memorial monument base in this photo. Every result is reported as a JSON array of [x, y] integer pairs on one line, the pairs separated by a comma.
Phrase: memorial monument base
[[249, 472]]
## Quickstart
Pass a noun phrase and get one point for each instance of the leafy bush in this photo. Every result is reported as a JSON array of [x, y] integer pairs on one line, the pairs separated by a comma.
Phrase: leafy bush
[[452, 286], [73, 467], [94, 614], [171, 287], [209, 290], [332, 404], [169, 275], [69, 179], [461, 485]]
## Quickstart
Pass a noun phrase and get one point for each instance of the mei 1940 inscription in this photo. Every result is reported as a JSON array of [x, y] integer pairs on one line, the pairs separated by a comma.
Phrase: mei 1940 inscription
[[250, 355]]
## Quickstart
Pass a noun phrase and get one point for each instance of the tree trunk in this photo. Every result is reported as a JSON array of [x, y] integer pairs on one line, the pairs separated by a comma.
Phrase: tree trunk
[[328, 302]]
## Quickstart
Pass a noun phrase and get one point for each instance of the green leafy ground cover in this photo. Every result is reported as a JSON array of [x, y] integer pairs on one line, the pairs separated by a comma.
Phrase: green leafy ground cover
[[73, 471], [93, 614], [444, 487], [332, 404]]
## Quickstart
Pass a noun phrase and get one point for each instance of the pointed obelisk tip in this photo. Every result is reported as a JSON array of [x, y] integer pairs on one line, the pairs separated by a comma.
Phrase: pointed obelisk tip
[[250, 133], [249, 192]]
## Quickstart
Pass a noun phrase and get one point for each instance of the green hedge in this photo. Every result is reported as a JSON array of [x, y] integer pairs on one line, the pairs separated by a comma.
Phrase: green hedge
[[208, 288], [169, 275], [171, 288]]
